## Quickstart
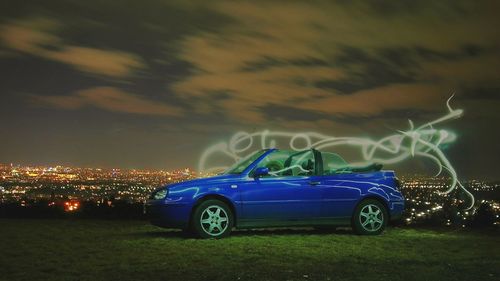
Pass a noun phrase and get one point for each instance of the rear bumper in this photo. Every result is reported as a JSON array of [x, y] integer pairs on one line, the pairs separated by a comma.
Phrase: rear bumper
[[168, 215], [396, 209]]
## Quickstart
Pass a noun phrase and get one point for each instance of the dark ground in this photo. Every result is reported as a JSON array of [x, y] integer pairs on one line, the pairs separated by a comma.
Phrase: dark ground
[[133, 250]]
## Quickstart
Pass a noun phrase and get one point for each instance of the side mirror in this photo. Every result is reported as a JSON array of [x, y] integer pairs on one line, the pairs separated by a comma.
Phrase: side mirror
[[260, 172]]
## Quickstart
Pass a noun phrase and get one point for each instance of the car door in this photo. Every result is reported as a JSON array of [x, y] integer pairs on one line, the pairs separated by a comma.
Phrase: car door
[[339, 191], [287, 197]]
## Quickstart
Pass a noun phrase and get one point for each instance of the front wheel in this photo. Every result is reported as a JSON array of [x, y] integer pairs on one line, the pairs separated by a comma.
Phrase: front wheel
[[370, 217], [212, 219]]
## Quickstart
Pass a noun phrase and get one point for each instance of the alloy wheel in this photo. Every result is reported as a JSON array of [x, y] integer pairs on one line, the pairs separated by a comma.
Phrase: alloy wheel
[[214, 220], [371, 218]]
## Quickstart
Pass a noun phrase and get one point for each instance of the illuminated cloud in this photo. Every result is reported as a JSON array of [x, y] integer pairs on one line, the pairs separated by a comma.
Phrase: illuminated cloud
[[376, 101], [34, 37], [110, 99], [337, 58]]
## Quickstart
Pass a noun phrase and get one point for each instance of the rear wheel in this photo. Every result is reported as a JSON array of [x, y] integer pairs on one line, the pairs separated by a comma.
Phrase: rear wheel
[[212, 219], [370, 217]]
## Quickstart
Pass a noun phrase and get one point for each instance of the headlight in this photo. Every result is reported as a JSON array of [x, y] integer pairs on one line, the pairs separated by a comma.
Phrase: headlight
[[160, 194]]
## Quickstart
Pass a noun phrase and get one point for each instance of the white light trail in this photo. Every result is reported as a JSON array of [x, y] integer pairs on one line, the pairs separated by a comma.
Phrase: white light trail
[[424, 141]]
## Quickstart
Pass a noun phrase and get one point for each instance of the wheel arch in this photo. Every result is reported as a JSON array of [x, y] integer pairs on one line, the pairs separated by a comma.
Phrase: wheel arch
[[215, 197]]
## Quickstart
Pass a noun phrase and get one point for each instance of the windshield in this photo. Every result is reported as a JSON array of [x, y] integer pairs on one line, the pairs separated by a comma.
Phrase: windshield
[[241, 165]]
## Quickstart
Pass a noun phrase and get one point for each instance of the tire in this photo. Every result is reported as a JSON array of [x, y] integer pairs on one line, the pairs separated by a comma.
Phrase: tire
[[212, 219], [370, 217]]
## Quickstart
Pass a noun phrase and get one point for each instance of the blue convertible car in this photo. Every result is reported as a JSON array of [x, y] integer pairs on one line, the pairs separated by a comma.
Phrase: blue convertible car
[[272, 188]]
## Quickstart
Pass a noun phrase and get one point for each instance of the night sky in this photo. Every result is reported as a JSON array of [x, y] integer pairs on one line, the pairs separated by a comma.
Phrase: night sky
[[150, 84]]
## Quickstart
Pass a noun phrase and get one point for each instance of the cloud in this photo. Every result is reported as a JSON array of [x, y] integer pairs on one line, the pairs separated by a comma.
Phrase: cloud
[[110, 99], [372, 102], [111, 63], [261, 61], [336, 58], [34, 37]]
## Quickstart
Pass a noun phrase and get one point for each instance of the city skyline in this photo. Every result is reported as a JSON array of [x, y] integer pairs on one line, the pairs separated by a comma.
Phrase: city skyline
[[60, 169], [151, 85]]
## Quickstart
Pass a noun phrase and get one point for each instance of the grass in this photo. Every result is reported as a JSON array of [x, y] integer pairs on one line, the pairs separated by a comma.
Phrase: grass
[[133, 250]]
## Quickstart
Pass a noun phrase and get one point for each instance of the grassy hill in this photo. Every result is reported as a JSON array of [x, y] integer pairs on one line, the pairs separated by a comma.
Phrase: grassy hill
[[124, 250]]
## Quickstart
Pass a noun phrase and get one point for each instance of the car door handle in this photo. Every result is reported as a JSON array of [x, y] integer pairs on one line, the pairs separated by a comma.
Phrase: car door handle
[[314, 182]]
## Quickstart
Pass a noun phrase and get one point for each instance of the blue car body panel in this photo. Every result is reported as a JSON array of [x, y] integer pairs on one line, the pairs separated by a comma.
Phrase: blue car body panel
[[278, 201]]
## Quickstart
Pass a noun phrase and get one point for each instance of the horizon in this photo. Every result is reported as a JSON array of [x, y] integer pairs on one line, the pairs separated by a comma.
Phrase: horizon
[[191, 169]]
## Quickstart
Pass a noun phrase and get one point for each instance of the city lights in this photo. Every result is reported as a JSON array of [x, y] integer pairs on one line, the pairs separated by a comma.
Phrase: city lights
[[104, 187], [93, 184], [71, 206]]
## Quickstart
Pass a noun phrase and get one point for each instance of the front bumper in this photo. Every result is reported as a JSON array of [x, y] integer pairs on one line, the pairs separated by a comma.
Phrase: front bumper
[[168, 215]]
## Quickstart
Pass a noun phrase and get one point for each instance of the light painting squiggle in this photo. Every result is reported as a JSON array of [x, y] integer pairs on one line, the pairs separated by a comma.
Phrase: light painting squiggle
[[424, 141]]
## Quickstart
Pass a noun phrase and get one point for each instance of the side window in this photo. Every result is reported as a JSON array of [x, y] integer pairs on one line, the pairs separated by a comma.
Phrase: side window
[[301, 164], [289, 163], [333, 163]]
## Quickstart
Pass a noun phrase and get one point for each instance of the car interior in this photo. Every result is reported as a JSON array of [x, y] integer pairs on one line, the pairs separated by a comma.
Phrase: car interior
[[302, 163]]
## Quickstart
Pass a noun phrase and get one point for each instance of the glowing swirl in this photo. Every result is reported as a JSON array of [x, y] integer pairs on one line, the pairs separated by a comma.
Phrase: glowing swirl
[[424, 141]]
